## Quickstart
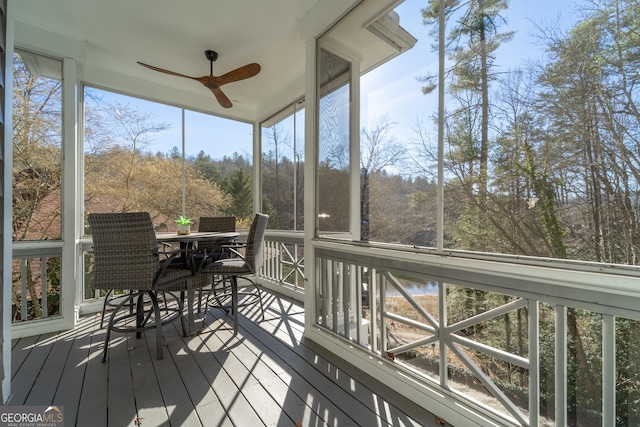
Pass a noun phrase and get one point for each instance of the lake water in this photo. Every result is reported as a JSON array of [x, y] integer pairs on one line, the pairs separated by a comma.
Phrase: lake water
[[415, 289]]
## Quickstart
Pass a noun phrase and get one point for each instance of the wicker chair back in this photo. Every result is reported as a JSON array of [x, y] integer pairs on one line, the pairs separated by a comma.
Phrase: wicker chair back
[[215, 223], [125, 251], [254, 255]]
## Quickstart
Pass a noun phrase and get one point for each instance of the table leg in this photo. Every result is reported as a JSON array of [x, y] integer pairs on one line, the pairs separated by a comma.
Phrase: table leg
[[234, 303], [190, 299]]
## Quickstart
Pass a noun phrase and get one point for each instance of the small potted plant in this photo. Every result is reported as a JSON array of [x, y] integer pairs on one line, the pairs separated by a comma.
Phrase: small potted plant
[[184, 225]]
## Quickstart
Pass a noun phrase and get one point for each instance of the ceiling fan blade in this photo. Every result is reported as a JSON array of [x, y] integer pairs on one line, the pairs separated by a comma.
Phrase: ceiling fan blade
[[213, 82], [221, 97], [162, 70], [241, 73]]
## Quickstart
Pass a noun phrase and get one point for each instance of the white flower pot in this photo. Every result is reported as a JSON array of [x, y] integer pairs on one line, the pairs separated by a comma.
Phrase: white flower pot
[[184, 229]]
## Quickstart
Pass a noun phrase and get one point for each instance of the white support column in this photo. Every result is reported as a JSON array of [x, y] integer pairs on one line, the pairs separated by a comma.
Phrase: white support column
[[257, 168], [72, 203], [354, 148], [310, 182], [7, 179], [441, 113]]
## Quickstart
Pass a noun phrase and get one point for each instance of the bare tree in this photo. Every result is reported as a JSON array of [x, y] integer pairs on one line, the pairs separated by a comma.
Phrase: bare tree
[[37, 167], [379, 150]]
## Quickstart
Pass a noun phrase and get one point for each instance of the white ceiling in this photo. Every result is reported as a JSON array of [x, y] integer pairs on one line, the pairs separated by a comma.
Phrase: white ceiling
[[108, 37]]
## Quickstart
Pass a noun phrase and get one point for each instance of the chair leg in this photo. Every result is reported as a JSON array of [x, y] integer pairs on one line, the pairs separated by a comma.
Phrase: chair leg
[[108, 335], [200, 292], [104, 307], [218, 297], [208, 289], [258, 292], [185, 329], [158, 324], [142, 318], [128, 300], [260, 300], [234, 303], [190, 303], [140, 315]]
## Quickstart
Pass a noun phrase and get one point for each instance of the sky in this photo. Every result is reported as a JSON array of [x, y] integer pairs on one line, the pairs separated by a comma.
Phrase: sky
[[215, 136], [400, 96]]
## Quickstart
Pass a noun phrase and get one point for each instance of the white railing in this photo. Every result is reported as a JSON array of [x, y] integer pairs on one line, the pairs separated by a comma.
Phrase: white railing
[[283, 268], [32, 297], [499, 335], [499, 338]]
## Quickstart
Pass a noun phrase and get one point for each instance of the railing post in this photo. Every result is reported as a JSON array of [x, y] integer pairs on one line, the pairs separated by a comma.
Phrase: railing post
[[383, 317], [372, 291], [561, 365], [442, 327], [44, 287], [534, 363], [608, 371], [23, 286]]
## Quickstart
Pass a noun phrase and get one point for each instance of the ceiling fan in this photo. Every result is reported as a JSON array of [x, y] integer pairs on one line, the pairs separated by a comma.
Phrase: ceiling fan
[[214, 82]]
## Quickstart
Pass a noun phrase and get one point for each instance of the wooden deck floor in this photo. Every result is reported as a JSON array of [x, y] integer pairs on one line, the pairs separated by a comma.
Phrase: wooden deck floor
[[266, 375]]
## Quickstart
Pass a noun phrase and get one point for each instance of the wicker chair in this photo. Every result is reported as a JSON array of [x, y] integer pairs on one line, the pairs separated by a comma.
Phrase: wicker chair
[[126, 258], [215, 223], [215, 251], [245, 263]]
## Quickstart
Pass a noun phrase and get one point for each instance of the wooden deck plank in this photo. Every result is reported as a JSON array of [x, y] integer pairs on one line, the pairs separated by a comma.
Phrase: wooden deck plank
[[121, 408], [246, 374], [174, 393], [20, 349], [31, 368], [93, 405], [290, 328], [204, 395], [203, 398], [69, 391], [266, 375], [238, 408], [276, 377], [47, 382], [150, 407], [351, 381], [303, 381]]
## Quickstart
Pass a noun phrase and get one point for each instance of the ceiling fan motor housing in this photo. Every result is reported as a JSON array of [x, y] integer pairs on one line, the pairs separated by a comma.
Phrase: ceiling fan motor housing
[[211, 55]]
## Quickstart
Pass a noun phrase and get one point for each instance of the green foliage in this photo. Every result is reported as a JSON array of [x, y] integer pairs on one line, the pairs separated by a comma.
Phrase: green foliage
[[207, 168], [282, 179], [544, 190], [184, 221], [238, 185], [627, 368], [175, 153]]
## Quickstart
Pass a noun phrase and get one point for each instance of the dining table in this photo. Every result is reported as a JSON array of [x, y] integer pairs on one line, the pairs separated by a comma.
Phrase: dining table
[[187, 241]]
